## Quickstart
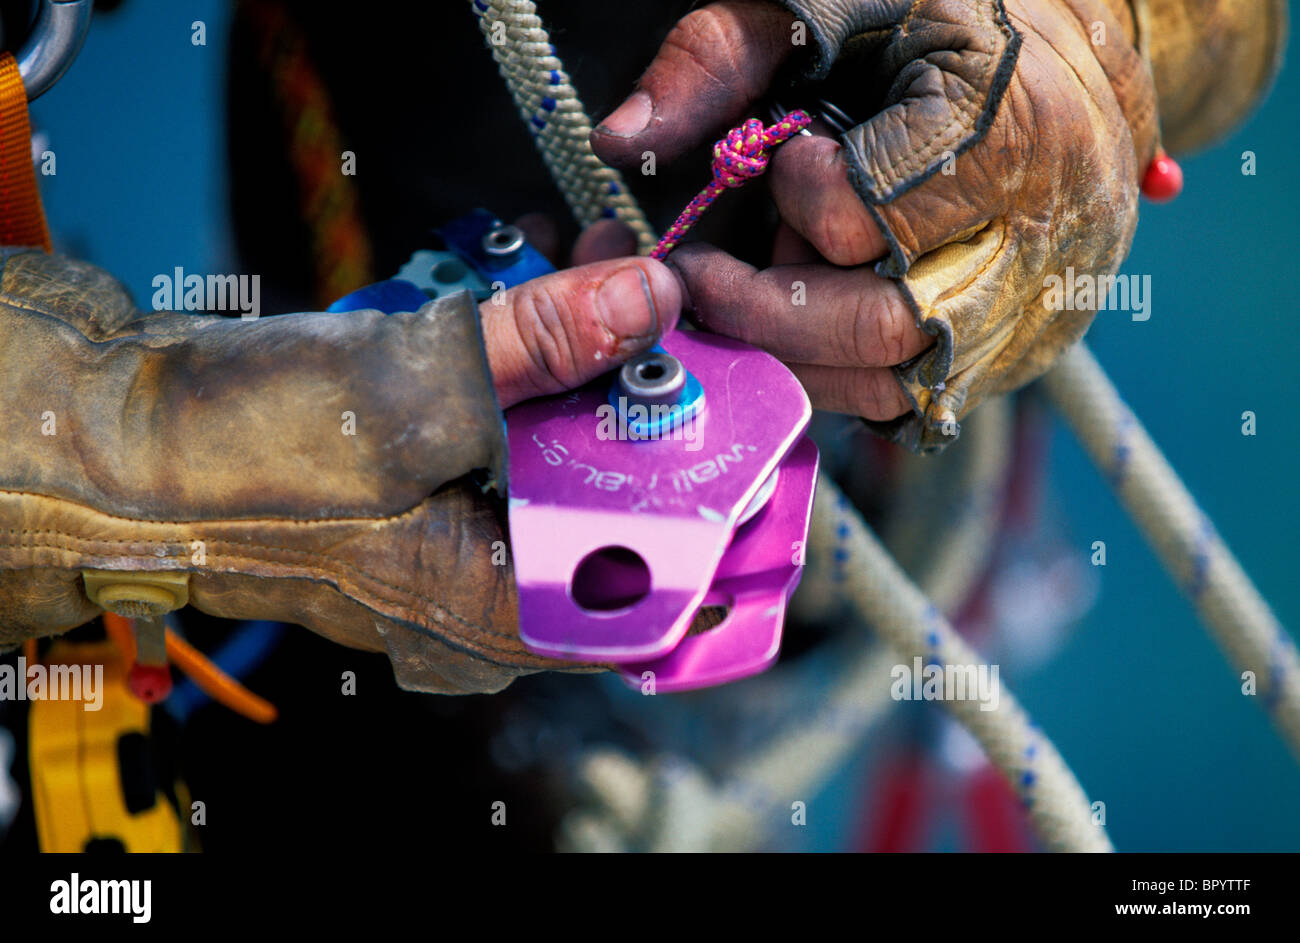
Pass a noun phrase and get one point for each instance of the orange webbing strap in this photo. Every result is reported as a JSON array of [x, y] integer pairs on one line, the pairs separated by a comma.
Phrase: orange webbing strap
[[22, 219]]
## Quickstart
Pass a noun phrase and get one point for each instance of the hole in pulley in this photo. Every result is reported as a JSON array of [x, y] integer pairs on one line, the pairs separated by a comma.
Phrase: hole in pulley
[[610, 578]]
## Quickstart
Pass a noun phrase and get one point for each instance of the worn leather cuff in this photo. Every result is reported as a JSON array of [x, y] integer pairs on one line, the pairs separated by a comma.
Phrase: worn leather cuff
[[309, 468], [973, 229]]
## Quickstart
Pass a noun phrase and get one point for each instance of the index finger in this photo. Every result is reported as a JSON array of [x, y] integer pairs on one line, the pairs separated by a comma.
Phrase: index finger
[[810, 314]]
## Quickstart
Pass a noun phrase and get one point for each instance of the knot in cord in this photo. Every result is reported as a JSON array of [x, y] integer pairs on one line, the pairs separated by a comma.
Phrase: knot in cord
[[743, 153], [739, 156]]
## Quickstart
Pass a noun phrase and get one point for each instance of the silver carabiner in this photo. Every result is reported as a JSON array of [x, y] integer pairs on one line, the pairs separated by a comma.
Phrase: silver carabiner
[[56, 39]]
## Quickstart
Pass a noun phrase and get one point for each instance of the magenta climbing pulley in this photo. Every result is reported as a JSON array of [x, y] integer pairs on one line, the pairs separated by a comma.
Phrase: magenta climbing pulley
[[620, 537], [683, 481]]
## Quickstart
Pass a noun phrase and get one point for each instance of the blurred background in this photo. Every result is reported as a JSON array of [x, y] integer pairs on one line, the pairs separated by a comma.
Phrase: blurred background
[[1136, 696]]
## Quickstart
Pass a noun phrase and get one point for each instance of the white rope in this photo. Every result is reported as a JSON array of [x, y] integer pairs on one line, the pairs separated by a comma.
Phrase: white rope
[[1180, 534], [888, 600], [554, 114]]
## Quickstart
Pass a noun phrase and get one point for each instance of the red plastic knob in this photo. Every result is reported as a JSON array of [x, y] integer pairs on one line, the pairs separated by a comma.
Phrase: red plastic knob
[[1163, 180], [150, 683]]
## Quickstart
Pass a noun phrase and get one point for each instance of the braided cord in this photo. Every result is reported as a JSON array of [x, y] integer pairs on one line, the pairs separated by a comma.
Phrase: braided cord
[[555, 116], [327, 199]]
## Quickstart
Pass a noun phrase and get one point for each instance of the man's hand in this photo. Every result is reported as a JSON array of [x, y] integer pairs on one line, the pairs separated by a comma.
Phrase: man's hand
[[559, 331], [1006, 150]]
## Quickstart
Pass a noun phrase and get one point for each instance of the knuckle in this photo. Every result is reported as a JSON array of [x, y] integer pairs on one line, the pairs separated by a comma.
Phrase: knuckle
[[893, 324], [840, 237], [880, 329], [709, 40], [545, 335], [712, 292], [873, 395]]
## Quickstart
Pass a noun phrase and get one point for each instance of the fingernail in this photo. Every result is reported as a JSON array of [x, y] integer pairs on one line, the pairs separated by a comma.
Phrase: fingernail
[[629, 118], [626, 304]]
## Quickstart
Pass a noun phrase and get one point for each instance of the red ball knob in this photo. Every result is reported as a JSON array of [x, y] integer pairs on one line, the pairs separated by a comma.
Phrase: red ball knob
[[1163, 180], [150, 683]]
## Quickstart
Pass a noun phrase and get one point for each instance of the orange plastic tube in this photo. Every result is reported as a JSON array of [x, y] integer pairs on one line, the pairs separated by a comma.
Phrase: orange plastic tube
[[216, 684]]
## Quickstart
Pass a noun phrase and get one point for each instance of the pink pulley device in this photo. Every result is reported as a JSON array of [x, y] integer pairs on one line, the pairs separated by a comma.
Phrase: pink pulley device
[[685, 482]]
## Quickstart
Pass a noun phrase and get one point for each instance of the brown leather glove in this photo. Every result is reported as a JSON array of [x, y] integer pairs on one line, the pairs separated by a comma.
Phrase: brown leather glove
[[307, 468], [1006, 147]]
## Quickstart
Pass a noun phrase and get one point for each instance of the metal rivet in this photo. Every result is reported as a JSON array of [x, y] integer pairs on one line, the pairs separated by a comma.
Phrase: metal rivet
[[503, 241], [653, 379]]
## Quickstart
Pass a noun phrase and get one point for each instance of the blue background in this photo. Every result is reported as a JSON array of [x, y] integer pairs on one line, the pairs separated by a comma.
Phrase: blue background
[[1139, 700]]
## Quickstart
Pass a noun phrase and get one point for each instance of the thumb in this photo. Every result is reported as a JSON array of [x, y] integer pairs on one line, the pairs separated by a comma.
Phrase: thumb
[[559, 331], [711, 68]]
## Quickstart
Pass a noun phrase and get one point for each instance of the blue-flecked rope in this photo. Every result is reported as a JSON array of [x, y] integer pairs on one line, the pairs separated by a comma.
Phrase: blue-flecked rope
[[885, 597], [1181, 535], [555, 117]]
